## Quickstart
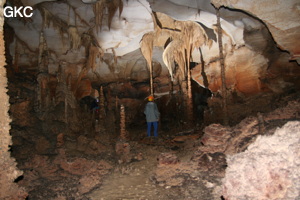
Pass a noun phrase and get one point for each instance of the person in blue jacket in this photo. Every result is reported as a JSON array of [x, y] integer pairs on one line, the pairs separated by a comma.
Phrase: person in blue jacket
[[152, 116]]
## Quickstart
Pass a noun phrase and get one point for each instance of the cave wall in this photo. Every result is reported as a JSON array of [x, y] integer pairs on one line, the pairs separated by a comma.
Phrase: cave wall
[[274, 15], [8, 170], [62, 75]]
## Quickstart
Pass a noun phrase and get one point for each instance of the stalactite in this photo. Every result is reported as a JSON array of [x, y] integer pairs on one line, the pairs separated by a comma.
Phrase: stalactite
[[191, 36], [76, 84], [86, 41], [50, 19], [224, 89], [112, 6], [98, 9], [182, 40], [186, 30], [151, 80], [147, 48], [62, 26], [41, 51], [205, 80], [94, 52], [185, 37], [115, 57], [175, 52], [91, 62], [74, 37]]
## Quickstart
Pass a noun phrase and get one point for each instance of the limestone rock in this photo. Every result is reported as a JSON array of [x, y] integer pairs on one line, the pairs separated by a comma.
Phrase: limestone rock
[[268, 169], [286, 34], [167, 159]]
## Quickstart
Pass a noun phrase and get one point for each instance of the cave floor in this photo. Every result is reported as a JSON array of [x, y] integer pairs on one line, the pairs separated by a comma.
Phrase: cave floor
[[137, 180], [133, 180], [101, 166]]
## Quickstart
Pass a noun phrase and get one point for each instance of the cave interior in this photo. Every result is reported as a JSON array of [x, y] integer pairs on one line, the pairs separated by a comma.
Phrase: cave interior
[[76, 75]]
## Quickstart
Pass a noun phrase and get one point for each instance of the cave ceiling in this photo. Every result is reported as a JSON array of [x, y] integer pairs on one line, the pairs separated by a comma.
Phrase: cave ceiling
[[99, 42]]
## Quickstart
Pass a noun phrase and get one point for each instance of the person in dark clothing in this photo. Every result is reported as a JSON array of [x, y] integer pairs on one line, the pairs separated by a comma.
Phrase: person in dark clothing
[[152, 116], [95, 106]]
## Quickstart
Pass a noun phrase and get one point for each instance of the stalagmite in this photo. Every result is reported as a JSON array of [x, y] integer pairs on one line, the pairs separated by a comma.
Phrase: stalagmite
[[40, 58], [63, 92], [123, 132], [123, 146], [42, 77], [224, 89], [101, 105], [101, 118]]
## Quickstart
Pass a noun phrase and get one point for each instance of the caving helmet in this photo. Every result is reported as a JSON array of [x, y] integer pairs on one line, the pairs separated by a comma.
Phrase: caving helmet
[[150, 98]]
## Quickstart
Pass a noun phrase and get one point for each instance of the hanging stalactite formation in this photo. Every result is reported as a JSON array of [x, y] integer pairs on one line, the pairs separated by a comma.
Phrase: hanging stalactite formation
[[99, 10], [181, 41], [184, 38], [147, 51]]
